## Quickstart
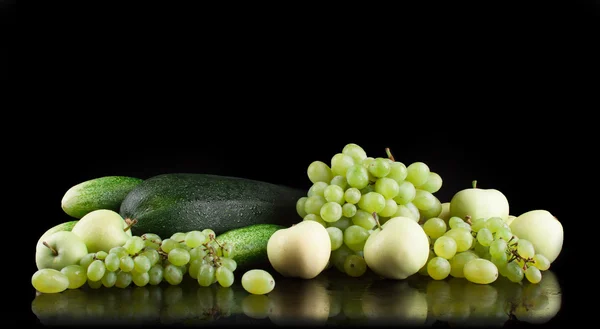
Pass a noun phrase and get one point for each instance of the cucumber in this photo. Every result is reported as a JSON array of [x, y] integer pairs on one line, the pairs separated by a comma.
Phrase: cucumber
[[99, 193], [249, 244], [182, 202]]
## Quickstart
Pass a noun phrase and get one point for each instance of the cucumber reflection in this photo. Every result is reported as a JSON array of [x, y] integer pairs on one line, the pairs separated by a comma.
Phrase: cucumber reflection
[[330, 298]]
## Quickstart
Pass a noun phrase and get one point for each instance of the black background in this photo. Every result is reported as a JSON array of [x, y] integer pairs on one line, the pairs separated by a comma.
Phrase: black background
[[241, 96]]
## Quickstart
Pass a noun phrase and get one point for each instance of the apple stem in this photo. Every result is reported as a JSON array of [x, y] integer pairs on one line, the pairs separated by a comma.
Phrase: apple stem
[[474, 184], [130, 224], [468, 220], [377, 220], [53, 250], [389, 153]]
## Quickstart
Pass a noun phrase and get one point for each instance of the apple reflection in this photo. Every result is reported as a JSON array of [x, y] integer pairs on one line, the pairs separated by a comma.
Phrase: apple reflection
[[330, 298]]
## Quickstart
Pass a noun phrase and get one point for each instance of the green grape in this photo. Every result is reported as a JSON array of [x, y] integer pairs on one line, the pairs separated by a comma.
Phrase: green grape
[[340, 164], [206, 275], [423, 269], [357, 247], [126, 264], [87, 260], [357, 176], [445, 247], [408, 210], [227, 250], [109, 279], [504, 234], [172, 274], [398, 172], [390, 208], [140, 279], [197, 253], [372, 202], [417, 173], [454, 221], [224, 276], [194, 268], [379, 168], [229, 263], [533, 274], [355, 234], [355, 151], [438, 268], [423, 200], [364, 219], [352, 195], [369, 188], [334, 193], [541, 262], [485, 237], [152, 255], [463, 226], [500, 261], [168, 245], [434, 227], [406, 193], [340, 181], [179, 257], [317, 219], [123, 279], [367, 162], [194, 239], [497, 247], [494, 224], [463, 238], [348, 210], [480, 271], [387, 187], [96, 270], [478, 224], [331, 211], [76, 274], [525, 249], [154, 238], [101, 255], [142, 264], [336, 236], [317, 188], [119, 251], [258, 282], [355, 266], [338, 257], [155, 274], [300, 204], [313, 204], [319, 171], [209, 233], [480, 249], [434, 211], [433, 184], [134, 245], [112, 262], [514, 272], [457, 263], [342, 223], [94, 284], [150, 245]]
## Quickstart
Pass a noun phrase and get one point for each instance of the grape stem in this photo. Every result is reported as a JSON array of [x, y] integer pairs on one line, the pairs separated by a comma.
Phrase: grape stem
[[130, 223], [377, 220], [54, 252], [389, 154], [474, 184]]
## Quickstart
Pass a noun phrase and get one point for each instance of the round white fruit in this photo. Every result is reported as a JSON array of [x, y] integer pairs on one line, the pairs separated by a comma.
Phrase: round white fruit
[[58, 250], [397, 250], [101, 230], [542, 229]]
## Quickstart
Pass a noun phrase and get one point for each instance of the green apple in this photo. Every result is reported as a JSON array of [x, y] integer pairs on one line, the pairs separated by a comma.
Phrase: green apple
[[58, 250], [102, 230], [479, 203], [66, 226], [397, 249], [542, 229]]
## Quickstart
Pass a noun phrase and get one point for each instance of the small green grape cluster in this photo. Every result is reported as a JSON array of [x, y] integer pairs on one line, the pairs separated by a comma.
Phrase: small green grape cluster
[[488, 243], [148, 259], [354, 192]]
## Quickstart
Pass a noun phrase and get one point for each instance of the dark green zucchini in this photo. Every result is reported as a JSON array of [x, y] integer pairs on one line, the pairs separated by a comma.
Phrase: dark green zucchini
[[182, 202]]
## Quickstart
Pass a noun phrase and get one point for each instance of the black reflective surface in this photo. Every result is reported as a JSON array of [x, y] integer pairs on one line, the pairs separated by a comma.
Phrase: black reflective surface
[[329, 299]]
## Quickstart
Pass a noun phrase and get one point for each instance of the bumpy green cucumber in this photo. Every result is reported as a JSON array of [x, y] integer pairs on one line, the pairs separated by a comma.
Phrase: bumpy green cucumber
[[100, 193], [249, 243]]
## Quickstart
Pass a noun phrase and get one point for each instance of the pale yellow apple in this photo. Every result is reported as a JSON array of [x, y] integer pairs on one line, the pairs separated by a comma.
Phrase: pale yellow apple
[[542, 229]]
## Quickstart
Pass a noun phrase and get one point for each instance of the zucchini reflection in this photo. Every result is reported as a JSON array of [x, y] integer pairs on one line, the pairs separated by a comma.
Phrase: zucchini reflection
[[330, 298]]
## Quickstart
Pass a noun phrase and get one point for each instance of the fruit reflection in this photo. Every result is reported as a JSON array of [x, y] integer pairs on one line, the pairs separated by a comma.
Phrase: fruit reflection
[[327, 299]]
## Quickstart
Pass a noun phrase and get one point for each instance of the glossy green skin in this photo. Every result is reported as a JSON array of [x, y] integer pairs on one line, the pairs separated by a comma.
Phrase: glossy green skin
[[249, 243], [66, 226], [100, 193], [171, 203]]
